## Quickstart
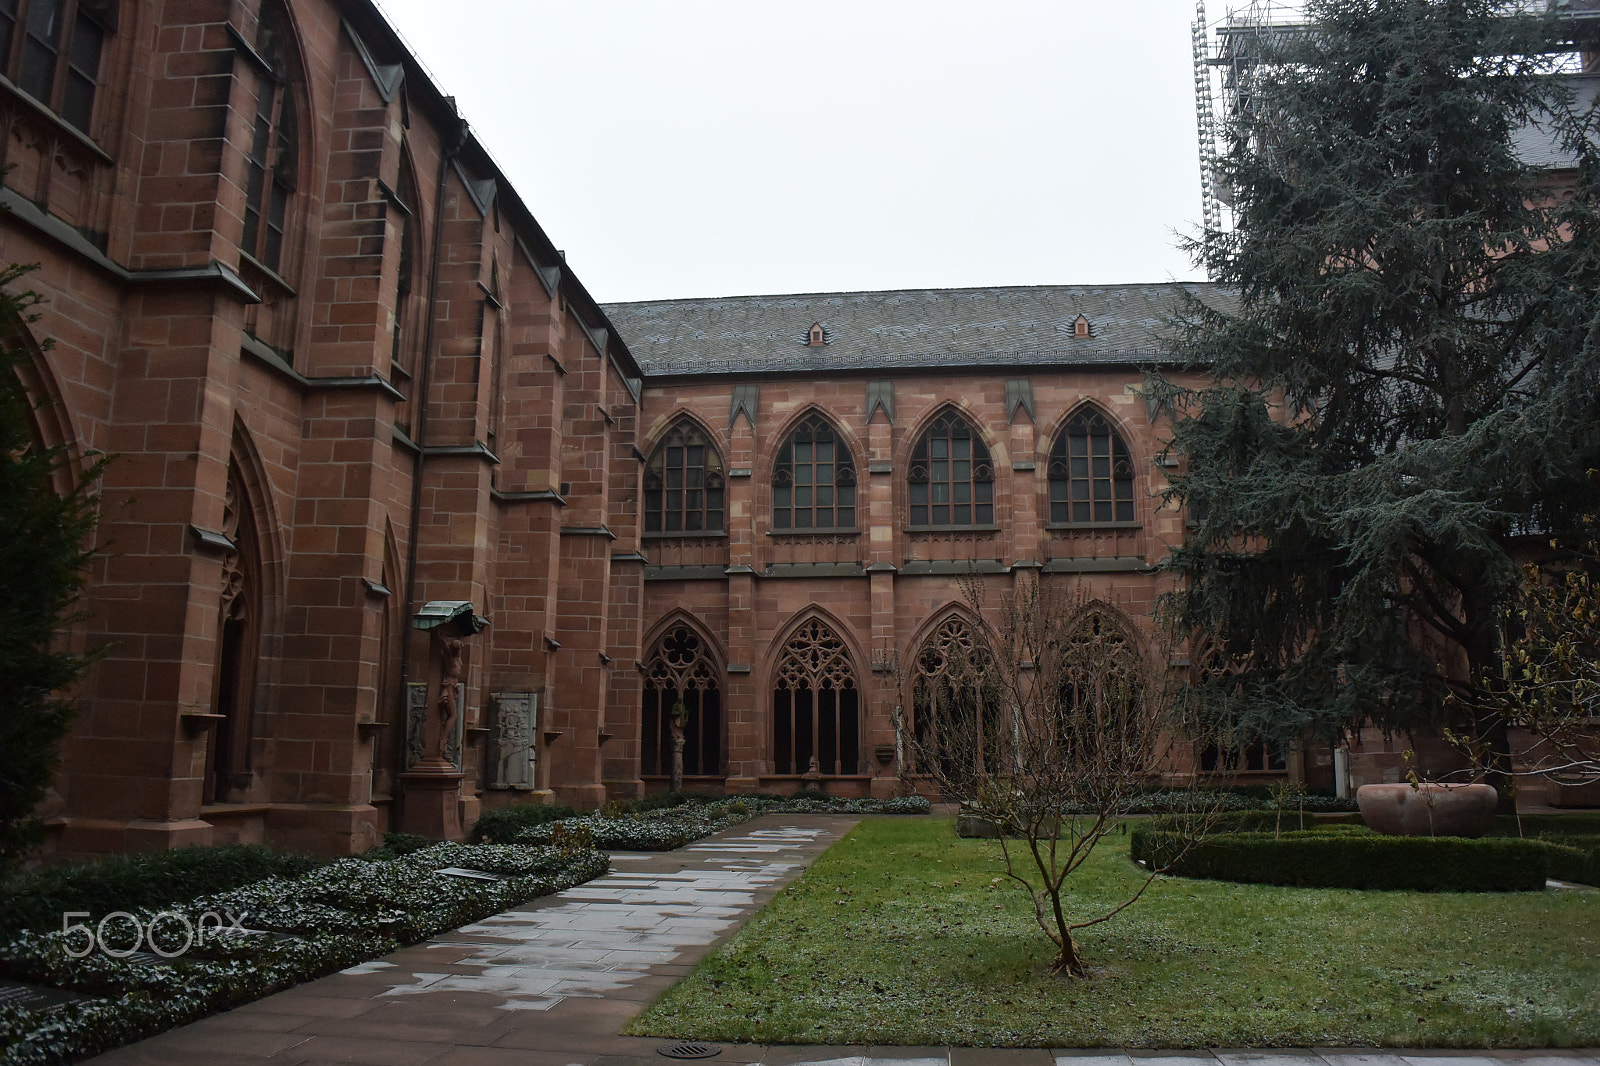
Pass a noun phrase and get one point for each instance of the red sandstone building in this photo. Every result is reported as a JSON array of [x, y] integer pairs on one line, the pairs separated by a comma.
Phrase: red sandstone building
[[352, 389]]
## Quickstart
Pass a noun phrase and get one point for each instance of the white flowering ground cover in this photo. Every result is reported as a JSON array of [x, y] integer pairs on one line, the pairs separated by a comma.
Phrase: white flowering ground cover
[[672, 827], [344, 913]]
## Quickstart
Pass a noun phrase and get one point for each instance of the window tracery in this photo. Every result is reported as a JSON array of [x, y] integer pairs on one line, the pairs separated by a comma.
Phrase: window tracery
[[684, 483], [1091, 473], [951, 478], [814, 480], [681, 671], [816, 704]]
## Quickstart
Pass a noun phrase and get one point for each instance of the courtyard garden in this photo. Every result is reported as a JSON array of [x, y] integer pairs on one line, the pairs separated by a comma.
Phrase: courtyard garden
[[904, 934]]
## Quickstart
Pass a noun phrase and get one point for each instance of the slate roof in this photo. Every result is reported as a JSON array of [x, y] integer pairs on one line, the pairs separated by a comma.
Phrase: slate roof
[[907, 329], [1538, 145]]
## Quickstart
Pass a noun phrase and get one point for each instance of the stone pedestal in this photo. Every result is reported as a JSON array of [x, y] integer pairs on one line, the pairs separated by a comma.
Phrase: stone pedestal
[[432, 805]]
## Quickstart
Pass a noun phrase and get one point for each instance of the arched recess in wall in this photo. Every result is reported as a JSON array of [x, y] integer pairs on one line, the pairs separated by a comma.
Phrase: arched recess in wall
[[245, 613], [950, 477], [1227, 749], [955, 705], [390, 711], [813, 477], [816, 701], [1091, 471], [49, 418], [1101, 672], [684, 482], [682, 695], [409, 233]]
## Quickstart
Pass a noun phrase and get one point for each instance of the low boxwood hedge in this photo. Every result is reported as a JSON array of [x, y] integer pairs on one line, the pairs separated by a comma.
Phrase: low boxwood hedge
[[1350, 857], [502, 825], [36, 900], [332, 917]]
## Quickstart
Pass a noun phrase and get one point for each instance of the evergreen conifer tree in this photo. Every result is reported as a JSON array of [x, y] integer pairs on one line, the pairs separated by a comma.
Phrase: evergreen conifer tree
[[1405, 380]]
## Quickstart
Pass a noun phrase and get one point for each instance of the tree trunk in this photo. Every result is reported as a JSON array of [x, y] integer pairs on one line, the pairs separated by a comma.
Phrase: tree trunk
[[1069, 960]]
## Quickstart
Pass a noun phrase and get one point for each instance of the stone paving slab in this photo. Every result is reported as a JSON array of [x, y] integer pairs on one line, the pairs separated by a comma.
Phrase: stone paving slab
[[550, 983]]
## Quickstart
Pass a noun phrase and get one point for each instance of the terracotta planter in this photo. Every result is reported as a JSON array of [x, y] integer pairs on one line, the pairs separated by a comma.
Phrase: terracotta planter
[[1428, 809]]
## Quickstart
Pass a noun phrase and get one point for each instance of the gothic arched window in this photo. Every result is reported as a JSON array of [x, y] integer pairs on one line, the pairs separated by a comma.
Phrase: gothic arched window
[[816, 707], [1102, 685], [228, 767], [682, 681], [274, 147], [56, 57], [683, 484], [1228, 749], [814, 481], [951, 476], [955, 709], [1091, 473]]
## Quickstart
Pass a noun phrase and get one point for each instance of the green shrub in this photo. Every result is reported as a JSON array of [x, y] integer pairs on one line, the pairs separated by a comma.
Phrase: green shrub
[[1351, 857], [37, 900], [658, 800], [1580, 823], [1574, 856], [503, 824]]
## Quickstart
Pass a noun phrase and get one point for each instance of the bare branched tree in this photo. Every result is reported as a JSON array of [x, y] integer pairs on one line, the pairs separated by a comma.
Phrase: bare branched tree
[[1547, 683], [1050, 731]]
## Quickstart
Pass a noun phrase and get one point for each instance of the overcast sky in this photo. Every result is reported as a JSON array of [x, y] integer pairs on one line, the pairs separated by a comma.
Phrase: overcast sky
[[727, 147]]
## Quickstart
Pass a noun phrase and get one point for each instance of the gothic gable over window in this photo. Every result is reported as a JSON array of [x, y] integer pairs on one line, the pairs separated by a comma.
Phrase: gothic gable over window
[[816, 707], [1091, 473], [814, 480], [683, 483], [51, 50], [951, 479]]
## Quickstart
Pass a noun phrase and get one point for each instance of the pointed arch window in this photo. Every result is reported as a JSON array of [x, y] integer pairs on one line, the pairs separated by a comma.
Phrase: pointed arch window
[[816, 706], [228, 766], [682, 687], [273, 159], [951, 479], [1091, 473], [683, 484], [1229, 750], [955, 708], [814, 481], [1101, 682], [51, 50]]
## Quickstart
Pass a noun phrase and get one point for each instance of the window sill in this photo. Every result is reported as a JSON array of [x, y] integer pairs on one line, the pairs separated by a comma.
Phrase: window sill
[[1066, 527], [688, 534], [44, 111], [953, 529], [266, 272], [850, 531]]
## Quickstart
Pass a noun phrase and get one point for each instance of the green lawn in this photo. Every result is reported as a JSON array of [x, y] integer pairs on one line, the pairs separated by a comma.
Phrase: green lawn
[[897, 936]]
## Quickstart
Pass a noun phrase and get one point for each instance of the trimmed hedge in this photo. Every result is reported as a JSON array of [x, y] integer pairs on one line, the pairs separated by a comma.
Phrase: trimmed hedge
[[38, 899], [1351, 857], [1574, 857], [503, 825]]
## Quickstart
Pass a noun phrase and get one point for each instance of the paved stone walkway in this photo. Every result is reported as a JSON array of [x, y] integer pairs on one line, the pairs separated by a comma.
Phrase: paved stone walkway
[[550, 984]]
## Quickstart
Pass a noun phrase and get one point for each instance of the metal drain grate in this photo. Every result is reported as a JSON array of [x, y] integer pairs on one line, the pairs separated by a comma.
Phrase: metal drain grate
[[688, 1049]]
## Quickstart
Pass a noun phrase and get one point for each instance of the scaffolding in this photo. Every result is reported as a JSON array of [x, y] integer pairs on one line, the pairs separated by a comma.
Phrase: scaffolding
[[1226, 52], [1222, 70]]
